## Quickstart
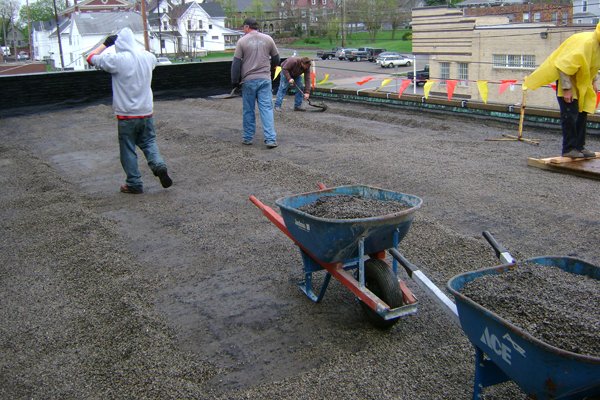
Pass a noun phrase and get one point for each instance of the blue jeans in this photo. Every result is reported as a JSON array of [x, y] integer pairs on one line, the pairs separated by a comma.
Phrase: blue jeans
[[258, 91], [138, 132], [283, 88]]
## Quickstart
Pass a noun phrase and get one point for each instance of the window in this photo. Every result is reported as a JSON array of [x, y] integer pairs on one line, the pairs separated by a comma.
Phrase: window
[[313, 2], [165, 25], [200, 24], [162, 43], [555, 18], [514, 61], [525, 17], [324, 2], [202, 41], [209, 25], [444, 72], [189, 24], [537, 17], [215, 38], [584, 6], [463, 74]]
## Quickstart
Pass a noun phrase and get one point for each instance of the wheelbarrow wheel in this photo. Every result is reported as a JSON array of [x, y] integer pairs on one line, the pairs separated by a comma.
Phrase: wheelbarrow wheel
[[380, 279]]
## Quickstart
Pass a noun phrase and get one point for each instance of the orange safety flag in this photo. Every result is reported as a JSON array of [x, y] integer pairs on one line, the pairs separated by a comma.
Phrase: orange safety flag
[[483, 90], [403, 86], [427, 87], [277, 71], [451, 85], [505, 83], [597, 99], [553, 86], [324, 79], [313, 79], [365, 80]]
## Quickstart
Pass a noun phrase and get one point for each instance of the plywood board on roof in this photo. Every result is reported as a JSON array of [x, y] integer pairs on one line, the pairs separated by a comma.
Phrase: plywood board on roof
[[588, 168]]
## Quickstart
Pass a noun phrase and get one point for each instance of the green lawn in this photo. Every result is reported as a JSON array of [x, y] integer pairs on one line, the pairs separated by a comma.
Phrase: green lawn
[[360, 39], [308, 47]]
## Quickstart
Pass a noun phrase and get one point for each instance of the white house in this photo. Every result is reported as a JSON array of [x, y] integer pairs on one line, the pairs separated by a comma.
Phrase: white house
[[80, 33], [586, 12], [191, 28]]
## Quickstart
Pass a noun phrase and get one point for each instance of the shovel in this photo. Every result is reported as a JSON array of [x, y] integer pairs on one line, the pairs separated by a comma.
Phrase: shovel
[[235, 92], [320, 105]]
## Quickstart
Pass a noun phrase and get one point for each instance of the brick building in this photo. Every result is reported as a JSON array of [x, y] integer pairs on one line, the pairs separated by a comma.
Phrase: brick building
[[471, 49], [521, 11]]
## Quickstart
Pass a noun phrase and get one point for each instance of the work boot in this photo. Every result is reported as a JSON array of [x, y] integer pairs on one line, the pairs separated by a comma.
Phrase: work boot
[[130, 190], [588, 153], [163, 176], [573, 154], [300, 108]]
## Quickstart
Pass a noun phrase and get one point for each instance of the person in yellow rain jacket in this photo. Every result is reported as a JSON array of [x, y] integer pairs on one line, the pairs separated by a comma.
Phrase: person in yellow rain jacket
[[574, 67]]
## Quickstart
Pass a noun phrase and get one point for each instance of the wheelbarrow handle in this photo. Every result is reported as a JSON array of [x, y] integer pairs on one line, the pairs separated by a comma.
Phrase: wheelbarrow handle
[[501, 252], [425, 283]]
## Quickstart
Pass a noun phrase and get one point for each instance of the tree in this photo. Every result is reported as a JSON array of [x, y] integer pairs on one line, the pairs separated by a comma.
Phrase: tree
[[231, 12], [257, 9], [8, 14], [40, 11]]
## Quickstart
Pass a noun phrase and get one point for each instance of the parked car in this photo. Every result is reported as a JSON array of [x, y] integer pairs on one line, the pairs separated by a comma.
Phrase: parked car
[[328, 54], [389, 53], [22, 56], [422, 75], [341, 53], [373, 53], [163, 61], [394, 61], [362, 53]]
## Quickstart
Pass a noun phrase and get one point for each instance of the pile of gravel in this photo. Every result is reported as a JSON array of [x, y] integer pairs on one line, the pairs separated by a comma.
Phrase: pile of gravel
[[351, 207], [553, 305]]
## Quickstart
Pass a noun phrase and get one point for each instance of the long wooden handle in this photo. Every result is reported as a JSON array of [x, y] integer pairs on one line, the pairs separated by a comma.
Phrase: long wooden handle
[[522, 113]]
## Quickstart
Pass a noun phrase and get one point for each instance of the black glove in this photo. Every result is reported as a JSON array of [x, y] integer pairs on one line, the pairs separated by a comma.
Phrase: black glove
[[110, 40]]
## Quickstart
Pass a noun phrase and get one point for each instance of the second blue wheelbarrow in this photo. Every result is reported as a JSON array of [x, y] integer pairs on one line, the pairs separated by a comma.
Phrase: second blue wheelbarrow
[[353, 250], [505, 352]]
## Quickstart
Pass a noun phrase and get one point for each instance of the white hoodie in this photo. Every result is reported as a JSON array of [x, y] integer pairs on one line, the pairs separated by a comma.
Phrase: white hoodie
[[131, 69]]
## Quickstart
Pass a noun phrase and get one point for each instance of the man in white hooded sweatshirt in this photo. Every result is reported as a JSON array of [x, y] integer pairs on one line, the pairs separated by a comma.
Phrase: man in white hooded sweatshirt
[[131, 69]]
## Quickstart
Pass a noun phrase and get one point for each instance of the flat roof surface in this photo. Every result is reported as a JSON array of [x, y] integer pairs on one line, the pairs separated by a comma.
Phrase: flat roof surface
[[190, 292]]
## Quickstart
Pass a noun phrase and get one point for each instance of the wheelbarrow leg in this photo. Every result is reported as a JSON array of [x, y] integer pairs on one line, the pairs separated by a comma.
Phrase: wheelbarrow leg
[[487, 373], [306, 285]]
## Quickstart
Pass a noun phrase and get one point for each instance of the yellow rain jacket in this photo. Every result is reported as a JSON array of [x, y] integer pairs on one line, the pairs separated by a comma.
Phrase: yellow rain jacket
[[578, 57]]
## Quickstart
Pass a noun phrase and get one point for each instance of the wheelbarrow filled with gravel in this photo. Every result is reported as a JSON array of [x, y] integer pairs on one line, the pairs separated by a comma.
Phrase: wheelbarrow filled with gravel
[[346, 231], [535, 322], [549, 342]]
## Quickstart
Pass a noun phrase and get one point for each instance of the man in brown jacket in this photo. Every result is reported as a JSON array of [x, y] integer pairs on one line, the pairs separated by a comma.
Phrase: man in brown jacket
[[292, 71]]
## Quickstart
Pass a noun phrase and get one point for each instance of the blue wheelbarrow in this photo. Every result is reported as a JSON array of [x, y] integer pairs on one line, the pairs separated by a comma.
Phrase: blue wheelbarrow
[[505, 352], [353, 251]]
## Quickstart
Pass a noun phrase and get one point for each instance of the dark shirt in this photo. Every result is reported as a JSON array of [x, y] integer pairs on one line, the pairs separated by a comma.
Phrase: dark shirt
[[292, 68]]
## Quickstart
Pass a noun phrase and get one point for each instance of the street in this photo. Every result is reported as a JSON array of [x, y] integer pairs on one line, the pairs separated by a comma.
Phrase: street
[[346, 74]]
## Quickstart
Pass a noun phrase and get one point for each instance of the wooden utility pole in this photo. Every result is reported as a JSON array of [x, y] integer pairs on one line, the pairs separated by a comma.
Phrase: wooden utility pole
[[159, 30], [343, 23], [145, 23], [62, 61], [29, 32]]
